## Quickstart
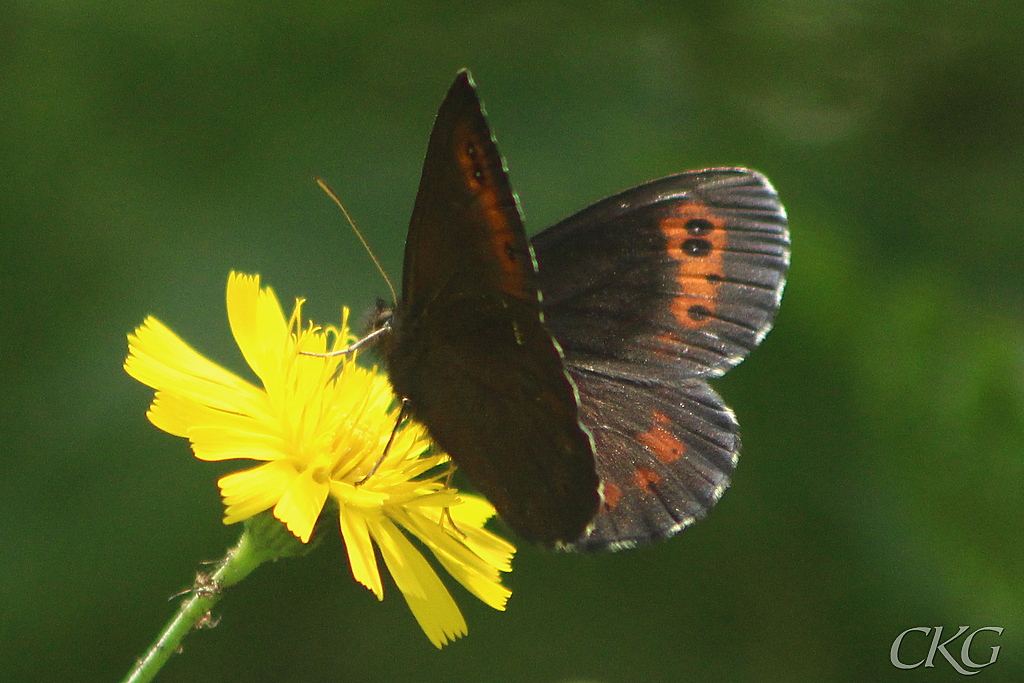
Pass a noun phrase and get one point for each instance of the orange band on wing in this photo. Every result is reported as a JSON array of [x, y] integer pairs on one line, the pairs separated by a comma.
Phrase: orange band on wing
[[479, 179], [696, 240]]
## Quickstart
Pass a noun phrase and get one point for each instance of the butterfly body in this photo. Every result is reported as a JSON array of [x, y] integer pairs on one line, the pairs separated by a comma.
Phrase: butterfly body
[[566, 377]]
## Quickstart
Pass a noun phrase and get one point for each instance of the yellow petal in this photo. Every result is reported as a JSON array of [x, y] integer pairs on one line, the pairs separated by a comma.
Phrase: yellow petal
[[478, 575], [160, 359], [493, 549], [428, 599], [258, 325], [361, 556], [174, 414], [252, 491], [301, 504], [473, 511], [222, 443]]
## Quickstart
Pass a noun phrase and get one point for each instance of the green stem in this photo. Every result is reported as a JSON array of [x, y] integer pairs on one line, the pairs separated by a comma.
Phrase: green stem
[[236, 565]]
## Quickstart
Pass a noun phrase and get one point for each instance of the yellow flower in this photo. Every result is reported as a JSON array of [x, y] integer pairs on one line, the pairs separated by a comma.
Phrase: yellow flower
[[320, 426]]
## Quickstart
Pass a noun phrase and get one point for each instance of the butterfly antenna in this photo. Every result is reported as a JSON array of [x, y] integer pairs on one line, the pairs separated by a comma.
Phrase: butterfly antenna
[[330, 193]]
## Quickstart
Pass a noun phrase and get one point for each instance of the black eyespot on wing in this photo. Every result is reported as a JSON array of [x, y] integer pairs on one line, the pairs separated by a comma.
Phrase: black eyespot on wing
[[685, 273]]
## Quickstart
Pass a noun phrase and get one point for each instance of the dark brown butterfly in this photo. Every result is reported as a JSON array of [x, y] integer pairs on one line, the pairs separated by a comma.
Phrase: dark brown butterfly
[[567, 379]]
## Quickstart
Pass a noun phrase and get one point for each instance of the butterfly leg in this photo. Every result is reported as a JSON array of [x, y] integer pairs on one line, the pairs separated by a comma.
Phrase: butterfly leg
[[402, 413]]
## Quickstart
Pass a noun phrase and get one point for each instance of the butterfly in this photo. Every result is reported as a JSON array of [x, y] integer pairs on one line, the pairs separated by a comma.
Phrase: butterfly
[[567, 376]]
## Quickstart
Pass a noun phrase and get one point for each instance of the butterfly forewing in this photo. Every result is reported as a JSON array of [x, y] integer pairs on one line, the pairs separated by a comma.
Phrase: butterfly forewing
[[468, 348], [465, 228]]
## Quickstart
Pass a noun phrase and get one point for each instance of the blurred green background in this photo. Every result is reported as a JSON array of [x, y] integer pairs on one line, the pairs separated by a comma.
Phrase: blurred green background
[[149, 148]]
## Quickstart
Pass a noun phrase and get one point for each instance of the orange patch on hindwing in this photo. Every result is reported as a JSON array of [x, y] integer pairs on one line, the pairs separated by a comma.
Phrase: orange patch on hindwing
[[611, 494], [645, 477], [696, 240], [662, 442]]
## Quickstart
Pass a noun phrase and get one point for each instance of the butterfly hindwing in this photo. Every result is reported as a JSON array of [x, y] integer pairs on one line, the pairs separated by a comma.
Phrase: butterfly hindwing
[[648, 293], [665, 453]]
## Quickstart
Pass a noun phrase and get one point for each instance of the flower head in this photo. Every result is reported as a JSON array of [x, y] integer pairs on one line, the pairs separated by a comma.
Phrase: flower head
[[320, 427]]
